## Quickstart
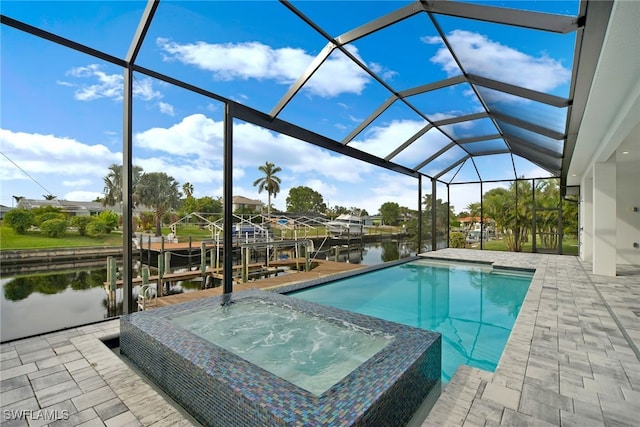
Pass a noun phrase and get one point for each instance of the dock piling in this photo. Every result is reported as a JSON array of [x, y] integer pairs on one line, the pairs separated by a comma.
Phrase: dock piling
[[148, 250], [245, 264], [167, 269], [112, 279], [203, 259], [160, 273]]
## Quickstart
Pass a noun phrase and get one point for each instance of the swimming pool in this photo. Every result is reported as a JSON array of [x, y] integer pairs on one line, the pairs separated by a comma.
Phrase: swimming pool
[[473, 306]]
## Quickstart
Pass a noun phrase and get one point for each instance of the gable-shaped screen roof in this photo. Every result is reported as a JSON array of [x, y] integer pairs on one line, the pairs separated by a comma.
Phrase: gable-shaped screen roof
[[456, 91]]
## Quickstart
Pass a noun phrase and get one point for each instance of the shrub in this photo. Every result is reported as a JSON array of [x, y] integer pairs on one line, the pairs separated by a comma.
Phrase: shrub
[[45, 213], [146, 221], [19, 219], [456, 239], [54, 227], [39, 219], [110, 219], [97, 228], [81, 222]]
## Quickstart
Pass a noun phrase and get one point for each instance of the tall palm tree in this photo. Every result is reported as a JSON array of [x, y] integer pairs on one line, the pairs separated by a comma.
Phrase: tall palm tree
[[49, 196], [113, 184], [187, 189], [269, 182]]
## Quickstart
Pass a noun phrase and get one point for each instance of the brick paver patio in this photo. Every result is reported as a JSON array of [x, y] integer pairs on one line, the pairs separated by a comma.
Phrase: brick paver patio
[[572, 360]]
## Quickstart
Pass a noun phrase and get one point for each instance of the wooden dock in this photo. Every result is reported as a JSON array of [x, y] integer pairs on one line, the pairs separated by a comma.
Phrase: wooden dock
[[255, 270], [323, 268]]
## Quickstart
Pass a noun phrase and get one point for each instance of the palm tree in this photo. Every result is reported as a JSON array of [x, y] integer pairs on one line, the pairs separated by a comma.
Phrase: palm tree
[[49, 196], [269, 182], [113, 184], [474, 209], [187, 189]]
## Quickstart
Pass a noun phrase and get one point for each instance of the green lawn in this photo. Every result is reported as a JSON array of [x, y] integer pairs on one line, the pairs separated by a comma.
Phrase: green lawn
[[569, 246], [9, 240]]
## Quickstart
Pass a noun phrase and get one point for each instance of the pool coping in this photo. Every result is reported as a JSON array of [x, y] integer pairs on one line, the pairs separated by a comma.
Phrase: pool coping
[[571, 366], [567, 361], [296, 286]]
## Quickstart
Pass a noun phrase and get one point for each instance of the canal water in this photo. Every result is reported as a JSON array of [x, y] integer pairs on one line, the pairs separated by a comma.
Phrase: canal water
[[49, 301]]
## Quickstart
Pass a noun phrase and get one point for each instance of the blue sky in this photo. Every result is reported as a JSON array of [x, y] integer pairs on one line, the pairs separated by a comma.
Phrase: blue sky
[[61, 111]]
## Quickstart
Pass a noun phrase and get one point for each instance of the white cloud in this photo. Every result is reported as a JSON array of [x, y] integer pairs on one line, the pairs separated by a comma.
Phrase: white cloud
[[166, 108], [200, 139], [56, 163], [76, 183], [254, 145], [328, 190], [530, 170], [82, 196], [382, 71], [143, 88], [194, 136], [50, 154], [463, 195], [107, 85], [382, 140], [381, 186], [191, 150], [197, 172], [254, 60], [483, 56]]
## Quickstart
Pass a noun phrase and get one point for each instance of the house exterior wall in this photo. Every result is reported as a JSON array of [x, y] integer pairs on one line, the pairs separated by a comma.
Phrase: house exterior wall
[[628, 206]]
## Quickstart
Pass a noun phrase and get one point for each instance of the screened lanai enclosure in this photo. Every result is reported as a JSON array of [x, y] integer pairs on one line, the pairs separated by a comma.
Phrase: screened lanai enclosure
[[480, 98]]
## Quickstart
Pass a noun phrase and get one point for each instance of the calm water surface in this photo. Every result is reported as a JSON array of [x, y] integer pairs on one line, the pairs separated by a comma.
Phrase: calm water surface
[[37, 303], [474, 308]]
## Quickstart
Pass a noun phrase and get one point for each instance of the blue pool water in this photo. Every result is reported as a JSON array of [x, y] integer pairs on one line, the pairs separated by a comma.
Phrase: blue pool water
[[473, 306]]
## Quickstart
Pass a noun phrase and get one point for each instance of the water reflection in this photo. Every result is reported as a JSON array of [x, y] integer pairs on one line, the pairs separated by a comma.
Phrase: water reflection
[[387, 251], [499, 292], [42, 302], [20, 288]]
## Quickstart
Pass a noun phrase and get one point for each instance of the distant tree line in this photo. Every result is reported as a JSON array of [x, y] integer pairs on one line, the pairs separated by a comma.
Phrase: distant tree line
[[511, 208]]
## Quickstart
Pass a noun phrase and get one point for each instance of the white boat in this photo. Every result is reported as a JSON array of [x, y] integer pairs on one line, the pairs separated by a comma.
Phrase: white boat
[[346, 224]]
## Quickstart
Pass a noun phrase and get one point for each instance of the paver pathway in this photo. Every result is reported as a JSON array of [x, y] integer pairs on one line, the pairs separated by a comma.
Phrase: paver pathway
[[572, 360]]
